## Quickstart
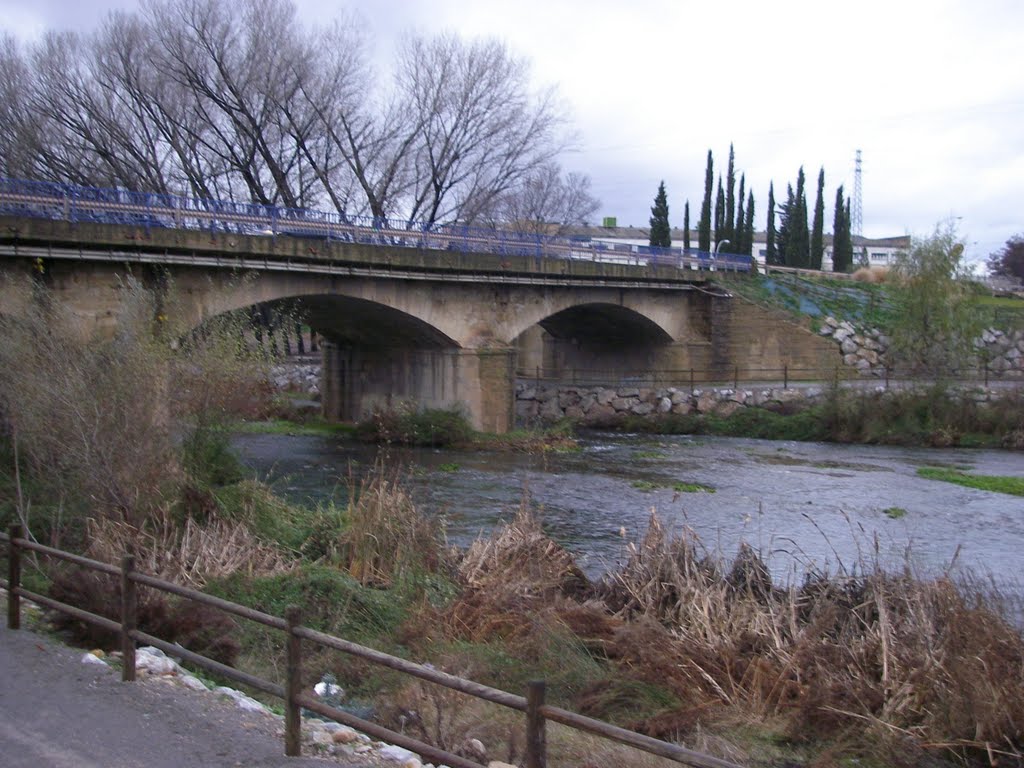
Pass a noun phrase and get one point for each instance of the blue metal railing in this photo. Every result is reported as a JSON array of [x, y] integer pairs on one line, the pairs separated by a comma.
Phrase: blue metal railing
[[68, 202]]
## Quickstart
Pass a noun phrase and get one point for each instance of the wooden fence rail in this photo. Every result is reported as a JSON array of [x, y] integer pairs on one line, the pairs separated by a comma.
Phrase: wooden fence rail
[[536, 712]]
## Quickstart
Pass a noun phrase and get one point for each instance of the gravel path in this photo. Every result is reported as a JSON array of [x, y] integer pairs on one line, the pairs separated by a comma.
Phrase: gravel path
[[57, 712]]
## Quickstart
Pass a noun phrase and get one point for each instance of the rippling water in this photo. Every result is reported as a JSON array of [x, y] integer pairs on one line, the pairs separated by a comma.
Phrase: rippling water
[[802, 505]]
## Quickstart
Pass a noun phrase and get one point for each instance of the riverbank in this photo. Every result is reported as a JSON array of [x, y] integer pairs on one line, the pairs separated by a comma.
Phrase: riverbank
[[935, 415], [675, 640]]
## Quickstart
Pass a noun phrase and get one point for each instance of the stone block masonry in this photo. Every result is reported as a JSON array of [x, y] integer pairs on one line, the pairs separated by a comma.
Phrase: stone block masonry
[[544, 403]]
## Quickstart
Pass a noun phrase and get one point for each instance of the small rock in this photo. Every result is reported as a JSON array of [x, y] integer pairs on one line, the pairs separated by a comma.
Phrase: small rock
[[401, 756], [154, 661], [192, 682], [319, 736], [242, 701], [344, 735], [91, 658], [474, 749]]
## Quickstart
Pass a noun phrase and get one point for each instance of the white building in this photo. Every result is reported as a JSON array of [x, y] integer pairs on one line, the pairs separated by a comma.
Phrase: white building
[[874, 252], [871, 252]]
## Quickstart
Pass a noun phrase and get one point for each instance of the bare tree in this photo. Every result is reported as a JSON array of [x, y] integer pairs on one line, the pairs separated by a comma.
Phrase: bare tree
[[236, 64], [547, 202], [243, 102], [480, 129], [15, 141]]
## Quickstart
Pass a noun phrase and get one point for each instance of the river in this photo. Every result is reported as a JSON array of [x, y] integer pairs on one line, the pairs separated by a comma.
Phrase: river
[[802, 505]]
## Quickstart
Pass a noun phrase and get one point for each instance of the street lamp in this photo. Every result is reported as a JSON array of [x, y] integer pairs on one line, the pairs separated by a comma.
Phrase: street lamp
[[714, 253]]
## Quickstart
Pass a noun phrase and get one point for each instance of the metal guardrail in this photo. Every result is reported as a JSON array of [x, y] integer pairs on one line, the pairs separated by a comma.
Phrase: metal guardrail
[[537, 713], [75, 204]]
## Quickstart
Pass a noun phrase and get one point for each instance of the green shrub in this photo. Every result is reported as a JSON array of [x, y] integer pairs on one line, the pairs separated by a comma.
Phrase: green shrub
[[430, 427]]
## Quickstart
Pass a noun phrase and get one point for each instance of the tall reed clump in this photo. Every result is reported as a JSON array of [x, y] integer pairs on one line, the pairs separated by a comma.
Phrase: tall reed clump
[[385, 540], [928, 663]]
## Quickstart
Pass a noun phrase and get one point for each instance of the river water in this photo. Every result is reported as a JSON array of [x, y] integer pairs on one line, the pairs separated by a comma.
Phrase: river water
[[801, 505]]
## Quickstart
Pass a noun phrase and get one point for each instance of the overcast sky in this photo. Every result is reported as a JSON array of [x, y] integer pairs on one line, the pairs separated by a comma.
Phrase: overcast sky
[[932, 92]]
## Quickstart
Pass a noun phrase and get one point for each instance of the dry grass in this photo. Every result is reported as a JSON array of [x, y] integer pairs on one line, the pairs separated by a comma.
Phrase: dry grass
[[386, 537], [872, 275], [891, 655], [187, 554], [877, 664]]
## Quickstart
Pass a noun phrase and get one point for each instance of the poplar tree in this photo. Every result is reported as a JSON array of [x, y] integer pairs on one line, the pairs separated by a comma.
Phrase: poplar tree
[[818, 231], [661, 233], [771, 254], [704, 225]]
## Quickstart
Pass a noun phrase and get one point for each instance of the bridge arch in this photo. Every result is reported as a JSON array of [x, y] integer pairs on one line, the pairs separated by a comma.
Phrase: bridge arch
[[596, 336], [349, 310]]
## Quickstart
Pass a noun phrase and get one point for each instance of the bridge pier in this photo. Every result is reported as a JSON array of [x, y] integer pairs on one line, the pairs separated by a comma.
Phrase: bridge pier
[[356, 381]]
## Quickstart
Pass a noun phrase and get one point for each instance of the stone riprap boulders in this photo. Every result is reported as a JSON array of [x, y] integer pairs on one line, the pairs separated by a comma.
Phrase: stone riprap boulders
[[297, 376], [1004, 351], [866, 349], [863, 349], [545, 403]]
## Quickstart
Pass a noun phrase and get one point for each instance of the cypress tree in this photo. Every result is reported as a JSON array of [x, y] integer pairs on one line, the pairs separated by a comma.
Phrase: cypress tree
[[728, 230], [818, 231], [797, 248], [748, 226], [661, 233], [842, 245], [686, 226], [863, 259], [704, 225], [771, 257], [719, 213], [737, 227], [784, 235]]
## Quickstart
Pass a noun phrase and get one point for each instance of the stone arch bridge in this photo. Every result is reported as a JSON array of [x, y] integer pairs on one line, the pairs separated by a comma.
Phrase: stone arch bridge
[[435, 328]]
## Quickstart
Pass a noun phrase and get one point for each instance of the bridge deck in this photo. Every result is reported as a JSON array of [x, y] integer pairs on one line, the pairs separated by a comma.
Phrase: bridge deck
[[26, 237]]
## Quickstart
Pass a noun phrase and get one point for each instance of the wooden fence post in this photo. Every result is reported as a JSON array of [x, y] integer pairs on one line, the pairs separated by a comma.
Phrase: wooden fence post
[[536, 746], [129, 618], [293, 685], [16, 531]]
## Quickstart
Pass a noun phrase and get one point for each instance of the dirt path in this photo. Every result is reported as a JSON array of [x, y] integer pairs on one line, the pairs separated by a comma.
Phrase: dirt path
[[57, 712]]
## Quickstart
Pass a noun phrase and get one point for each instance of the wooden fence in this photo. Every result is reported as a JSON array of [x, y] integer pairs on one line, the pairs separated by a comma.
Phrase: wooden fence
[[536, 712]]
